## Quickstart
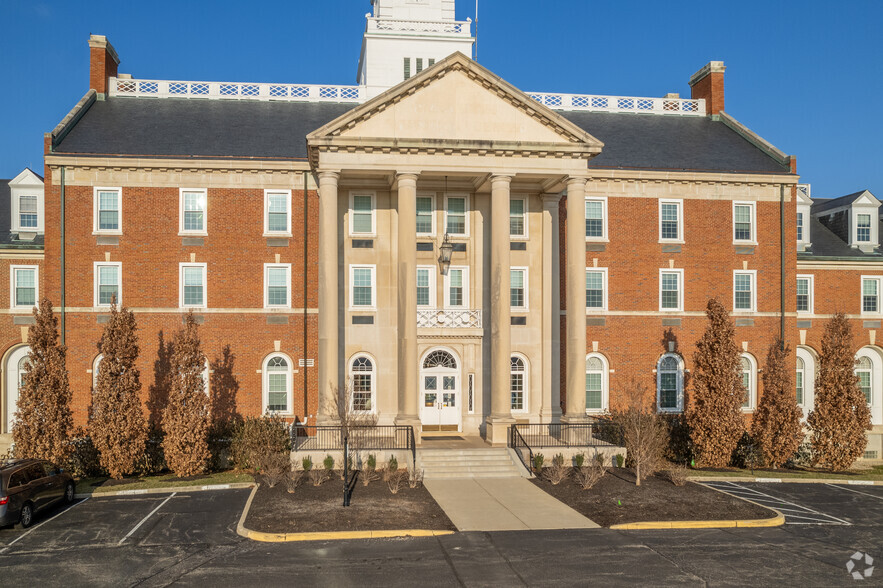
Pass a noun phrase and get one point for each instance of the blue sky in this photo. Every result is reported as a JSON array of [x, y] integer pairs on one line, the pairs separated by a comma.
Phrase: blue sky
[[805, 74]]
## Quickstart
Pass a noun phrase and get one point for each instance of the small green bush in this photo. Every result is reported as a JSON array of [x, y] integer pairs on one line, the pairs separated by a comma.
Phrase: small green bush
[[538, 460], [328, 462], [256, 437], [620, 460], [393, 463], [558, 460], [307, 463], [372, 462], [598, 458], [579, 460]]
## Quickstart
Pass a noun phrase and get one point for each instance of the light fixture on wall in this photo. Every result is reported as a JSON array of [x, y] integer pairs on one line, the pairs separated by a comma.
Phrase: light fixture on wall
[[445, 251]]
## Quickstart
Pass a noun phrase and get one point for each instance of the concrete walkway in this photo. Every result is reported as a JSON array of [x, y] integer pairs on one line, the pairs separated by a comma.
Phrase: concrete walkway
[[502, 504]]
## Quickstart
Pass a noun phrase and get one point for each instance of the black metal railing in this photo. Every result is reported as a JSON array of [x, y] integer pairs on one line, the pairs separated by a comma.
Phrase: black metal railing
[[517, 442], [527, 437], [364, 437]]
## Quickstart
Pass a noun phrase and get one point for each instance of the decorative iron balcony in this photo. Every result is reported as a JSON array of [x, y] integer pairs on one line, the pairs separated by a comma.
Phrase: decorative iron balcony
[[389, 25], [449, 319]]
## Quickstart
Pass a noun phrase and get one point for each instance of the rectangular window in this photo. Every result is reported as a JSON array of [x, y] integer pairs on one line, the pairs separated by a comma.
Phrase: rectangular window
[[107, 210], [419, 64], [518, 288], [277, 391], [517, 220], [407, 67], [870, 294], [424, 215], [107, 284], [517, 389], [670, 214], [362, 214], [193, 207], [805, 294], [596, 227], [27, 212], [863, 228], [743, 222], [426, 287], [456, 215], [864, 382], [596, 289], [25, 288], [744, 291], [671, 290], [193, 285], [277, 219], [456, 289], [362, 287], [277, 285], [799, 226], [799, 385], [593, 391], [431, 62], [668, 390]]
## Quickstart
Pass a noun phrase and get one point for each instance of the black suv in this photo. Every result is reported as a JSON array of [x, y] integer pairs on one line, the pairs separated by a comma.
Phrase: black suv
[[28, 486]]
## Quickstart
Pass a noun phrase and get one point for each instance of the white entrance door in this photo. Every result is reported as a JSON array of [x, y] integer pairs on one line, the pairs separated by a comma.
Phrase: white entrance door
[[440, 391], [14, 372]]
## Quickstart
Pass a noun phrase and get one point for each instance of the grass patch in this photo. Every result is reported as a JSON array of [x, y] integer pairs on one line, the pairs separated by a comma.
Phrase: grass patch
[[102, 485], [873, 473]]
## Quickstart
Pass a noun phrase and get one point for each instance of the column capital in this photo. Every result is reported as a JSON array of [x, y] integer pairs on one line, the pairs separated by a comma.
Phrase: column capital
[[501, 178], [577, 181], [328, 175], [406, 177]]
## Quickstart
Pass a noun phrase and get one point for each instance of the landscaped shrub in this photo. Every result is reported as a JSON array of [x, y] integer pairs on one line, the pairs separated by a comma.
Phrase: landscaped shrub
[[293, 480], [620, 460], [328, 462], [589, 475], [307, 463], [579, 460], [369, 471], [415, 478], [258, 436], [802, 458], [393, 463], [84, 460], [371, 461], [274, 467], [396, 480], [153, 461], [776, 427], [644, 432], [220, 439], [538, 460], [557, 472], [679, 449], [747, 453], [677, 474]]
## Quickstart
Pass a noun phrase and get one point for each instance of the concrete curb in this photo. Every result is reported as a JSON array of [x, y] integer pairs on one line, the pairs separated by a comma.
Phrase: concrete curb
[[230, 486], [786, 480], [324, 536]]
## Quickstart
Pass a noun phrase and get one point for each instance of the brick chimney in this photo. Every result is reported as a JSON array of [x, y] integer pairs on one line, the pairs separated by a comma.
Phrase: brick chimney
[[708, 84], [103, 62]]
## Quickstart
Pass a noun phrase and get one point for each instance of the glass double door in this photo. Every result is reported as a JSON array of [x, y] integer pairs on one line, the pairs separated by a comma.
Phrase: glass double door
[[440, 399]]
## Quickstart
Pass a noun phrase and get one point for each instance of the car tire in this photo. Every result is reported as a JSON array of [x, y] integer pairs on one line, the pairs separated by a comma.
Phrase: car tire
[[69, 492], [26, 519]]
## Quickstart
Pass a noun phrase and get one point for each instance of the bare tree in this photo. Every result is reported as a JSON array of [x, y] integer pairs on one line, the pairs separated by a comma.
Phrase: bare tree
[[644, 431]]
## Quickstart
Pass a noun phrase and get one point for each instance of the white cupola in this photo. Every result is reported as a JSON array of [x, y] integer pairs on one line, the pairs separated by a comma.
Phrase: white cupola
[[404, 37]]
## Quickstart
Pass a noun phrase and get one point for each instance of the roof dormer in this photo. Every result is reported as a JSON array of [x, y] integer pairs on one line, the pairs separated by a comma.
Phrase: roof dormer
[[26, 219], [854, 218], [804, 212]]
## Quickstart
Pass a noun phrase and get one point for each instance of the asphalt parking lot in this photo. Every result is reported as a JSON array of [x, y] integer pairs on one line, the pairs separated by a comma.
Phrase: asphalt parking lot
[[190, 539]]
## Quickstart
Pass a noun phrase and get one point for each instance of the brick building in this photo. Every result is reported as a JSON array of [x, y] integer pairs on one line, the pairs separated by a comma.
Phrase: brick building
[[553, 246]]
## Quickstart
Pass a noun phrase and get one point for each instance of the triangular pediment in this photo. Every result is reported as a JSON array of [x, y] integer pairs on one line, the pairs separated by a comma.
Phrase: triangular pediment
[[26, 178], [456, 105], [866, 199]]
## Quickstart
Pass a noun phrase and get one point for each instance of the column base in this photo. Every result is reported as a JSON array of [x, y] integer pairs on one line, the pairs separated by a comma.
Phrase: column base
[[413, 422], [498, 431]]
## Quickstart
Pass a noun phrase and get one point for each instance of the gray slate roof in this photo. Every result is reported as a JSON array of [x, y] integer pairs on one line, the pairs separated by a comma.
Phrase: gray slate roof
[[823, 204], [7, 238], [262, 130]]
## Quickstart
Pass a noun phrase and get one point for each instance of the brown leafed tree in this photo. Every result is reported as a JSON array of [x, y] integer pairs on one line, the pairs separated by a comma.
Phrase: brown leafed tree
[[841, 417], [644, 430], [776, 426], [714, 412], [43, 422], [185, 419], [116, 421]]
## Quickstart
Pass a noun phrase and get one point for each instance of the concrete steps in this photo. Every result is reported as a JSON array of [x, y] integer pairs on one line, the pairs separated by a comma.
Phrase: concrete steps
[[467, 463]]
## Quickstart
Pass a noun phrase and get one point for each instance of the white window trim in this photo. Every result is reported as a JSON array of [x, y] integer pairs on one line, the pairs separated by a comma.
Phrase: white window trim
[[466, 215], [351, 377], [680, 274], [525, 394], [95, 229], [810, 291], [287, 268], [432, 215], [12, 270], [433, 288], [181, 229], [181, 267], [679, 382], [95, 364], [16, 213], [373, 196], [680, 204], [289, 384], [605, 383], [603, 271], [603, 238], [267, 231], [753, 274], [809, 378], [447, 281], [95, 266], [753, 239], [526, 235], [752, 383], [879, 280], [373, 269], [876, 404], [526, 305], [872, 211]]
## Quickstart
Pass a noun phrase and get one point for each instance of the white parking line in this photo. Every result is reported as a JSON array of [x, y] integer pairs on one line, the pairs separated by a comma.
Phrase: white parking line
[[855, 491], [787, 508], [35, 527], [153, 512]]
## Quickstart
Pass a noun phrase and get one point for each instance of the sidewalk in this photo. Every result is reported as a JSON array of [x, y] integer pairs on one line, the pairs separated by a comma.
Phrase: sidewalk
[[502, 504]]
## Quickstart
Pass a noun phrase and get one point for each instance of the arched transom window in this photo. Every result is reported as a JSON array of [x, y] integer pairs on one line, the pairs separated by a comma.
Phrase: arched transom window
[[277, 384], [749, 381], [518, 383], [362, 380], [596, 383], [439, 359], [670, 384]]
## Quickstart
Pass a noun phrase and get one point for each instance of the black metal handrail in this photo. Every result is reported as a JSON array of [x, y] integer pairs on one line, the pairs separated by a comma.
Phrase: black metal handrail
[[367, 437], [594, 434], [516, 442]]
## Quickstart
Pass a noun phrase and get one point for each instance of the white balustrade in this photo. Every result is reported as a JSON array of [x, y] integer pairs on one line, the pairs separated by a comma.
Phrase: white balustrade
[[449, 319], [236, 91], [591, 103], [451, 27]]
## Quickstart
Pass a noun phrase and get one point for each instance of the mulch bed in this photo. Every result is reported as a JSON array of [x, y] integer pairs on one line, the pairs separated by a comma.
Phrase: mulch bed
[[320, 508], [615, 499]]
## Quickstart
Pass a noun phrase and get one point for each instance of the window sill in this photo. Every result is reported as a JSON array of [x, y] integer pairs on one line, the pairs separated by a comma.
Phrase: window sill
[[107, 233], [193, 234], [671, 310], [597, 240], [671, 241], [278, 235], [186, 308], [277, 308], [744, 243], [21, 309], [360, 235], [362, 309], [519, 238]]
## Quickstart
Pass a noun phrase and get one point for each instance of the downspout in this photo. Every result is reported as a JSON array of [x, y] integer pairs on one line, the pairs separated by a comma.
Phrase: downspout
[[305, 282], [782, 263], [62, 257]]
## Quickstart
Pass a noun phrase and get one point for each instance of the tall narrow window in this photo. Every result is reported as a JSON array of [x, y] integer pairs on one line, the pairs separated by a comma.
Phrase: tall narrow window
[[669, 382], [456, 290], [744, 294], [743, 222], [24, 287], [193, 285], [517, 382], [671, 290], [277, 280], [107, 209], [277, 384], [277, 219], [595, 219], [419, 64], [424, 215], [596, 298], [456, 222], [362, 286], [800, 226], [362, 379], [362, 219], [107, 284], [425, 287], [863, 369], [407, 67], [799, 379], [863, 228], [518, 288], [517, 226], [431, 62], [870, 294], [749, 380], [193, 208], [670, 221], [27, 212], [804, 294], [596, 378]]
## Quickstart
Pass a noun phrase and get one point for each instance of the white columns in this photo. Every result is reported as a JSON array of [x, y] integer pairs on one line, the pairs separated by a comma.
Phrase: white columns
[[575, 381], [501, 403], [550, 410], [329, 334], [407, 300]]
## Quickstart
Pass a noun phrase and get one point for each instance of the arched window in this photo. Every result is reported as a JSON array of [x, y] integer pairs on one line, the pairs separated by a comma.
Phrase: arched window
[[864, 369], [749, 381], [596, 383], [806, 379], [362, 374], [277, 384], [670, 383], [14, 368], [95, 365], [799, 380], [518, 383], [439, 358], [22, 369]]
